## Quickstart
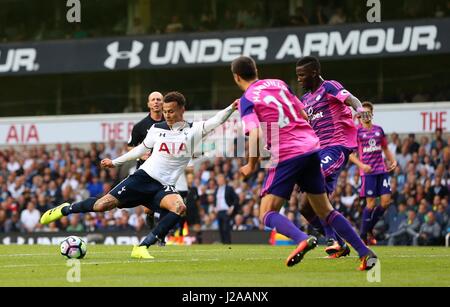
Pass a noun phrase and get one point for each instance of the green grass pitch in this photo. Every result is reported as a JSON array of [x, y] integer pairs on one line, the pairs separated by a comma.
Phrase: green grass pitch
[[220, 265]]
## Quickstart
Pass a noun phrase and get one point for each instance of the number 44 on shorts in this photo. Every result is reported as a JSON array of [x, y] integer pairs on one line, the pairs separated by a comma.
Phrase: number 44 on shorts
[[387, 183]]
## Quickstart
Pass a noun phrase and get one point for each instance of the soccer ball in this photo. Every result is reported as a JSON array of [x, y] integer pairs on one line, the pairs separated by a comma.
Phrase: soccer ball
[[73, 247]]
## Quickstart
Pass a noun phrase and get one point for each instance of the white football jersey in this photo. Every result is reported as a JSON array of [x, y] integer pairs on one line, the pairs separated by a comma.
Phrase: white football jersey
[[172, 149]]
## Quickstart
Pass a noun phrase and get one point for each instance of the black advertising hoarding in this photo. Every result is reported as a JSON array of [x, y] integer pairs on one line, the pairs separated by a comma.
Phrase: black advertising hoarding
[[220, 48]]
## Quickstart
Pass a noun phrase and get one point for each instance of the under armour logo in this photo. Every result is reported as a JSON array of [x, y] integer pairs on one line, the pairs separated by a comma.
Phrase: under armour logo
[[132, 56], [121, 191]]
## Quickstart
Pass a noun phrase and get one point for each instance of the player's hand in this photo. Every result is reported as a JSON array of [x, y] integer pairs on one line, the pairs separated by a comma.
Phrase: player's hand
[[392, 166], [364, 115], [367, 169], [146, 156], [235, 104], [107, 163], [246, 170]]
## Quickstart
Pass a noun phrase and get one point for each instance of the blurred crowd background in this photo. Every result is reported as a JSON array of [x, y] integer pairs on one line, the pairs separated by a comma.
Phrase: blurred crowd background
[[34, 179]]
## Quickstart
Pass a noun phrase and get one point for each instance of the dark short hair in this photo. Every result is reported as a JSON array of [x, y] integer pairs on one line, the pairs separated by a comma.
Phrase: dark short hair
[[244, 67], [311, 61], [175, 97], [368, 104]]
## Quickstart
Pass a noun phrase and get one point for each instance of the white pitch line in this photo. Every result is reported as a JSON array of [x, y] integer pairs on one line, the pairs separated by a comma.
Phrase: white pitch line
[[199, 260], [153, 251], [112, 262]]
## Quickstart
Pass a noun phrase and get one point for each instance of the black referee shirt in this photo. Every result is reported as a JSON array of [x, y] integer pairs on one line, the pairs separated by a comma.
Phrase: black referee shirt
[[139, 133]]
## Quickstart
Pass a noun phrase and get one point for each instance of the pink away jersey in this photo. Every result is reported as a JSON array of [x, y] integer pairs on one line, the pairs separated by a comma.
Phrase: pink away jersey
[[370, 148], [329, 116], [271, 105]]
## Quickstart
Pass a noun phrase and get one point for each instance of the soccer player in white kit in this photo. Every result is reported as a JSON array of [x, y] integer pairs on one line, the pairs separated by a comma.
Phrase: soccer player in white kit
[[173, 143]]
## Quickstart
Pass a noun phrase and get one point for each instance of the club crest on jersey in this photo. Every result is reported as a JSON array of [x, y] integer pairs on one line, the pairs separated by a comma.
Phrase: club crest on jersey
[[172, 148], [372, 146]]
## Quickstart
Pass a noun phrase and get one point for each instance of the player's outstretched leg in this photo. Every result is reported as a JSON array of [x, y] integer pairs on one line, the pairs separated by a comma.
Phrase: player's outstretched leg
[[65, 209], [106, 203]]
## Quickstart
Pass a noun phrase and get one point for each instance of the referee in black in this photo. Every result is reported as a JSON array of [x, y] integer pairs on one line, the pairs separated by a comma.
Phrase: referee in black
[[139, 132]]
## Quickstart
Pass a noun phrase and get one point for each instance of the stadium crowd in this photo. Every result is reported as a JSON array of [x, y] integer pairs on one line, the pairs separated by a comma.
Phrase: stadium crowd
[[230, 15], [34, 179]]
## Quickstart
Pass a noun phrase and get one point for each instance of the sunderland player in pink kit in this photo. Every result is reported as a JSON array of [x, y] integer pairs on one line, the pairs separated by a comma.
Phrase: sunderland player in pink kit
[[327, 105], [294, 156], [375, 180]]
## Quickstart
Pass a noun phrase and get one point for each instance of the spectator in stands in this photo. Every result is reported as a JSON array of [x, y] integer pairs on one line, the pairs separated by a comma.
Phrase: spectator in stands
[[437, 188], [175, 25], [394, 143], [407, 232], [95, 187], [75, 224], [42, 204], [339, 17], [137, 219], [404, 157], [137, 28], [111, 151], [14, 224], [226, 203], [413, 145], [430, 231], [394, 221], [30, 217], [438, 137], [239, 223]]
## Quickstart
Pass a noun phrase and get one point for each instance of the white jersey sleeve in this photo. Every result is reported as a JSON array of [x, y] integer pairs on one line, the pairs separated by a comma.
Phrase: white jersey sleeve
[[149, 140]]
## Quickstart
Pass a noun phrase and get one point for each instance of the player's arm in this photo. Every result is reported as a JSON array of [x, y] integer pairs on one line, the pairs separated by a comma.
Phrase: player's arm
[[133, 154], [356, 104], [253, 153], [219, 118], [367, 169], [390, 157]]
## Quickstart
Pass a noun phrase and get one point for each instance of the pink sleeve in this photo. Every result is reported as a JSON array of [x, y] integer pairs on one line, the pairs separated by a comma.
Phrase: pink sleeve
[[336, 90], [250, 122], [342, 95], [249, 118]]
